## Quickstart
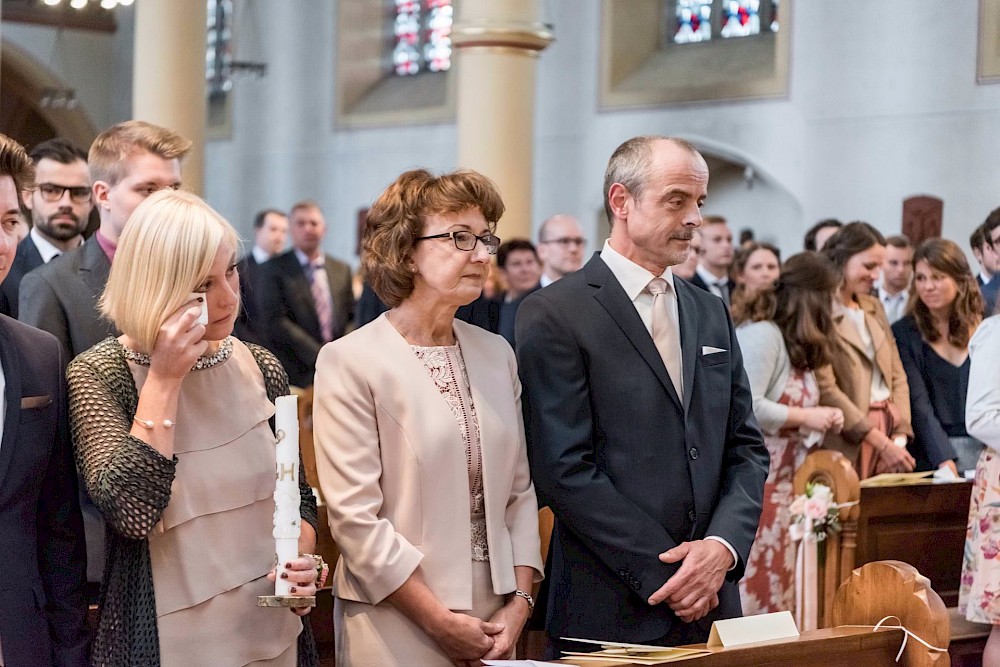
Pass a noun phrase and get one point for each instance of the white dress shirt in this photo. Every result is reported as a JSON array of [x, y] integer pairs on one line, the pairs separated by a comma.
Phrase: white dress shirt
[[260, 255], [45, 248], [982, 402], [894, 304], [713, 282], [634, 279]]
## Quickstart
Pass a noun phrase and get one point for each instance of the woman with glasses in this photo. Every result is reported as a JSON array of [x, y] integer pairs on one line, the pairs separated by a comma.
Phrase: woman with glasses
[[420, 443]]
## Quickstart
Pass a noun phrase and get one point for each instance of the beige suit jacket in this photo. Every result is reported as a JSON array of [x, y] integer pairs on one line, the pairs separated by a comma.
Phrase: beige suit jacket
[[393, 469], [846, 382]]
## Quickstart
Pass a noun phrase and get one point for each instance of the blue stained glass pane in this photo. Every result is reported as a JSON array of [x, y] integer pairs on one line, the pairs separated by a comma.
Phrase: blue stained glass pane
[[694, 21], [740, 18]]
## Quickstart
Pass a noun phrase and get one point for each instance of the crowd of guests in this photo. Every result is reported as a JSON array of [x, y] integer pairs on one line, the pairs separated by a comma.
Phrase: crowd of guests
[[149, 354]]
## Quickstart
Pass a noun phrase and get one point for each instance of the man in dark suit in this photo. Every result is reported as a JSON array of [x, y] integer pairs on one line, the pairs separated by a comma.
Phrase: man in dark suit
[[60, 207], [715, 257], [41, 531], [61, 297], [305, 298], [638, 415], [270, 231], [989, 260], [518, 262]]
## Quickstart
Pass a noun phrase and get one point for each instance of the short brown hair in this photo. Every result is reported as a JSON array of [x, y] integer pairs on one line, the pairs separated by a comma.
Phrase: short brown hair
[[119, 142], [305, 203], [630, 164], [900, 241], [740, 298], [14, 162], [967, 308], [396, 220]]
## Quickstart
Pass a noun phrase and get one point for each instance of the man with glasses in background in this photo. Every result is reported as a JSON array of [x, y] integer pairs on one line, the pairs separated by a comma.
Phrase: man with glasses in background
[[560, 247], [59, 205]]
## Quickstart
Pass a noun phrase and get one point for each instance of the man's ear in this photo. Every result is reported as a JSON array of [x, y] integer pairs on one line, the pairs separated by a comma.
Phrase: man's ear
[[619, 200], [26, 198], [101, 190]]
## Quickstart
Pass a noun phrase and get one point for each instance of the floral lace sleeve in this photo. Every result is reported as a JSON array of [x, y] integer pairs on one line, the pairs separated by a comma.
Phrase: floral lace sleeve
[[128, 480]]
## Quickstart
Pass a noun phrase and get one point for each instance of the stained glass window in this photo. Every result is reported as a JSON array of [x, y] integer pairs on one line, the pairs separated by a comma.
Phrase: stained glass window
[[694, 21], [700, 20], [740, 18], [421, 36]]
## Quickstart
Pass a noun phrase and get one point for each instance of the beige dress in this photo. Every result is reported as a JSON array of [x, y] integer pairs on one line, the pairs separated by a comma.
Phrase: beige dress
[[379, 635], [212, 548]]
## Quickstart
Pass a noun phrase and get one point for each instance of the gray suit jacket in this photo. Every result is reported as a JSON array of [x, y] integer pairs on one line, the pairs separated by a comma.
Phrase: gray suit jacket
[[61, 298]]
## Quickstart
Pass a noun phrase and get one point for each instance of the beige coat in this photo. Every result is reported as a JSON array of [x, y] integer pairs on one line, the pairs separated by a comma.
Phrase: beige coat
[[846, 382], [393, 470]]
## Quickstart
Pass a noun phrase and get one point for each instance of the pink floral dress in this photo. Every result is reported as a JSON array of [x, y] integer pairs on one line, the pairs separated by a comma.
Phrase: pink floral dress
[[979, 595], [769, 582]]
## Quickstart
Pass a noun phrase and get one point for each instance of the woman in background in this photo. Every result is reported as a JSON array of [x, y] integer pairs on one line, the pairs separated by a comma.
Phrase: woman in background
[[865, 378], [782, 346], [755, 267], [933, 338]]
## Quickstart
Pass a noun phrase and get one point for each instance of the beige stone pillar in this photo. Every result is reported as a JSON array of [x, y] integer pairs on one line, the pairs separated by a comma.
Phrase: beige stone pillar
[[497, 43], [168, 81]]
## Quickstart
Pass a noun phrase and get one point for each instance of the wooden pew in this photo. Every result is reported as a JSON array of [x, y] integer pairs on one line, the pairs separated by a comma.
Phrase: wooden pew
[[871, 593], [835, 471]]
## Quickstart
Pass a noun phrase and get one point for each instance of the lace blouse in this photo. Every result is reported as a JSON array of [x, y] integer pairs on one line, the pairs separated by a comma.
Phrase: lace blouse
[[447, 368]]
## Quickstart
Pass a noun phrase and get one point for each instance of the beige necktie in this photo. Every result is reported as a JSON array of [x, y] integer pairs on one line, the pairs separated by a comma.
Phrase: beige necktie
[[667, 332]]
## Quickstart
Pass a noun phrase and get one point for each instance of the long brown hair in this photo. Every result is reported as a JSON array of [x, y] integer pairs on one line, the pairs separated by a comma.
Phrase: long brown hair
[[966, 310], [800, 304]]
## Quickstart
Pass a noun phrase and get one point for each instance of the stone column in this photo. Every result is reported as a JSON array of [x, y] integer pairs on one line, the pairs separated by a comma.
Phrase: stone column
[[168, 86], [497, 43]]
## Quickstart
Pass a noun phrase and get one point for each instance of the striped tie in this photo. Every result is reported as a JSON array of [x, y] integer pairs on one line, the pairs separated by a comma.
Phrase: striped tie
[[319, 285]]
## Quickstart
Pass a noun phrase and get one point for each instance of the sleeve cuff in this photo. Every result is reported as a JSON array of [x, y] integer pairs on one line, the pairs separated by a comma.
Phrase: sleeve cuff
[[736, 559]]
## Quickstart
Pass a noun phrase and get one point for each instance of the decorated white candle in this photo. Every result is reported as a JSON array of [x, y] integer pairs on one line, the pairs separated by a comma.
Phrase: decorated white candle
[[287, 520]]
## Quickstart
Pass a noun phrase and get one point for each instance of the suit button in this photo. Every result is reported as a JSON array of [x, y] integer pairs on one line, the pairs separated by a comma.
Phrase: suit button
[[693, 453], [692, 516]]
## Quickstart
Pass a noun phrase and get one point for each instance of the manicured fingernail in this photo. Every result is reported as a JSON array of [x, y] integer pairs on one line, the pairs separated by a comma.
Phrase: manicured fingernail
[[288, 566], [284, 575], [293, 589], [200, 299]]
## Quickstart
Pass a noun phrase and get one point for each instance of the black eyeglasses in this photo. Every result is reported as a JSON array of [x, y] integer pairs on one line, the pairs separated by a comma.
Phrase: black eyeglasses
[[80, 194], [467, 240], [567, 241]]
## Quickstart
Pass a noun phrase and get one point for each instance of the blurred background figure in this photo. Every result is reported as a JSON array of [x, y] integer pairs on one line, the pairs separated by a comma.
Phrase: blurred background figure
[[893, 288]]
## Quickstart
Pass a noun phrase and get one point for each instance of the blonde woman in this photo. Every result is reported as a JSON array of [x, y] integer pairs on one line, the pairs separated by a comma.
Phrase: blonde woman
[[170, 423]]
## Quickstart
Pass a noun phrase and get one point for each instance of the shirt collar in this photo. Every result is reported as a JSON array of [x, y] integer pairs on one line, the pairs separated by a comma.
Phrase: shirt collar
[[107, 246], [633, 278], [45, 247], [305, 261], [884, 295], [259, 254], [709, 279]]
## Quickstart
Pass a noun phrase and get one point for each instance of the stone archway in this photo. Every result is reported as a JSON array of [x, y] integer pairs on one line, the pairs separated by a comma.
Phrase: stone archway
[[22, 80]]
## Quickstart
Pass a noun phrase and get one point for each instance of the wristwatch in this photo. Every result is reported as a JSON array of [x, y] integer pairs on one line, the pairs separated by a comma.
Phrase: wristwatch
[[526, 596]]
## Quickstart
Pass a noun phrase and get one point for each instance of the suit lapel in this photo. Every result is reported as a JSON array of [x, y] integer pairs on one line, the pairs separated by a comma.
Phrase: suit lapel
[[688, 316], [94, 265], [849, 332], [12, 392], [882, 357], [615, 301]]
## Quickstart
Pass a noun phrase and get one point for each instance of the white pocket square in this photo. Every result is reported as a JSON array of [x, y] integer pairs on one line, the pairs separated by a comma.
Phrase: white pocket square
[[708, 349]]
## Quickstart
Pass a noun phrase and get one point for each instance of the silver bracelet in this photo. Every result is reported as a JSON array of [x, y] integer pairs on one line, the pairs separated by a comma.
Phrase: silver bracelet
[[526, 596]]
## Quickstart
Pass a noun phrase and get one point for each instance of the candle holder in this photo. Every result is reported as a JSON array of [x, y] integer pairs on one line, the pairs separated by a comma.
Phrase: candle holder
[[287, 520]]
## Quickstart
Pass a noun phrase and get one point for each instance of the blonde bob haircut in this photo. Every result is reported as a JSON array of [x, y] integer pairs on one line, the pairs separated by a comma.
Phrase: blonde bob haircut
[[164, 254]]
